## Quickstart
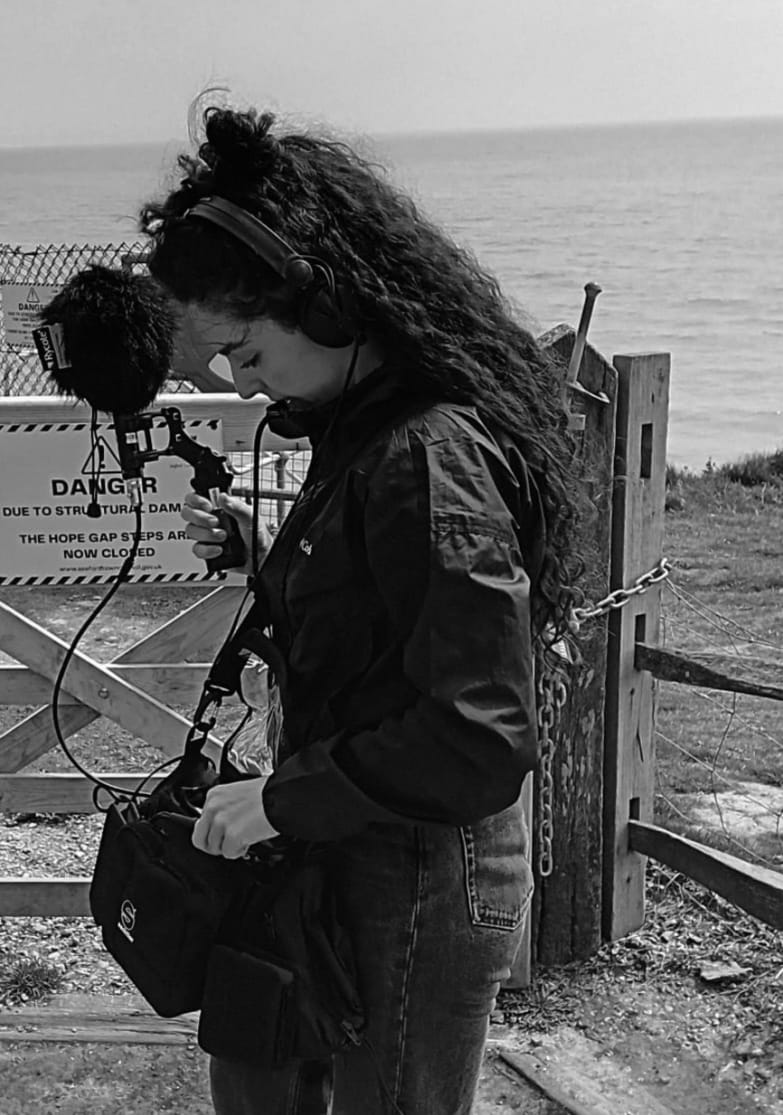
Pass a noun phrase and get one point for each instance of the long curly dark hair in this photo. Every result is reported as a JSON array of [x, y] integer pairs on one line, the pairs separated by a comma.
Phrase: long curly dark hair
[[426, 300]]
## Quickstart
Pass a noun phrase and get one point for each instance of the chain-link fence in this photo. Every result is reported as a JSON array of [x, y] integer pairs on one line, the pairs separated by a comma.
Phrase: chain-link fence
[[51, 266]]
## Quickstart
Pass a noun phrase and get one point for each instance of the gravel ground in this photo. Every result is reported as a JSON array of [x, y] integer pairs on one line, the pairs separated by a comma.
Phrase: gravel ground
[[33, 846]]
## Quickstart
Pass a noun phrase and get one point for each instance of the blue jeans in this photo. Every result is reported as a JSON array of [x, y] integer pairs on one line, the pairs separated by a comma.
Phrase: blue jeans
[[436, 917]]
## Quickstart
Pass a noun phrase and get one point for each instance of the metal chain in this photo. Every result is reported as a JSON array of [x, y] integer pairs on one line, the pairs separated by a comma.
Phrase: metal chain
[[620, 597], [552, 695]]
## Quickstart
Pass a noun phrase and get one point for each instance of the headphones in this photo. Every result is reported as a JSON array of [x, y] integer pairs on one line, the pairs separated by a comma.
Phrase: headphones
[[325, 307]]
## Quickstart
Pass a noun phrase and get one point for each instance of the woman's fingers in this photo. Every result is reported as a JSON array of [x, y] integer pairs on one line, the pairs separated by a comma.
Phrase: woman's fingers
[[203, 527], [205, 531], [238, 508]]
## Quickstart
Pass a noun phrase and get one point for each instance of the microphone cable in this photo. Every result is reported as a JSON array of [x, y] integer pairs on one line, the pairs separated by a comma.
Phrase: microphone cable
[[120, 793], [122, 575]]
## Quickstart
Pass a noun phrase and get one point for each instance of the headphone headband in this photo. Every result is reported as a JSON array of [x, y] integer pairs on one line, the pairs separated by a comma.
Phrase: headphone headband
[[326, 313], [272, 249]]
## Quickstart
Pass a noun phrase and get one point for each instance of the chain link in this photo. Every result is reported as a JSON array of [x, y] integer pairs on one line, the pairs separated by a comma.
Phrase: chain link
[[552, 695], [620, 597]]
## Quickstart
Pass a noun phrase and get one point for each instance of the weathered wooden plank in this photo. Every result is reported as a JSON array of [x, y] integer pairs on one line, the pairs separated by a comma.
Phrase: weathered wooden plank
[[239, 417], [129, 1018], [175, 683], [671, 665], [50, 898], [102, 1035], [34, 736], [566, 916], [580, 1082], [113, 1026], [95, 684], [547, 1081], [637, 539], [60, 793], [757, 890]]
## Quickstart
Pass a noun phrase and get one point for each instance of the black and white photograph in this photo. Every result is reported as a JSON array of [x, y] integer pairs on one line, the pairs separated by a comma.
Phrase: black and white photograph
[[391, 557]]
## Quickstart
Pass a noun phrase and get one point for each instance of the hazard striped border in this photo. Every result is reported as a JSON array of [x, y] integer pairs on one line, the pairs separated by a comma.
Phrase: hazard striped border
[[107, 578], [64, 427], [42, 427]]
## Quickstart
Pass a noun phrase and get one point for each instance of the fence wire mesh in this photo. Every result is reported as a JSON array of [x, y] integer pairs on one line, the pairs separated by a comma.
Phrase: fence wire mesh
[[280, 478], [53, 265], [720, 754]]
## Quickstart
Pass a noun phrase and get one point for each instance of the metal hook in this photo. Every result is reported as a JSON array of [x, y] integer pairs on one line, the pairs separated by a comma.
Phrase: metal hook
[[577, 421]]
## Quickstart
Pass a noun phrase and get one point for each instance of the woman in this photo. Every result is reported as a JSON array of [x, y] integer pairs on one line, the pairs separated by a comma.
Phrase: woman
[[425, 561]]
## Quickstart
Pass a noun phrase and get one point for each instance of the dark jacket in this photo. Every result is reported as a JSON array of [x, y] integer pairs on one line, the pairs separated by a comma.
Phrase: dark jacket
[[398, 590]]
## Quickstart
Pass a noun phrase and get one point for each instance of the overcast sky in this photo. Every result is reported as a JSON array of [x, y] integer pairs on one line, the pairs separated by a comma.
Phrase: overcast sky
[[102, 71]]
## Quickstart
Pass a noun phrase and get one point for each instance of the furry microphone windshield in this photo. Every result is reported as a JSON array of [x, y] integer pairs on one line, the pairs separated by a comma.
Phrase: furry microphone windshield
[[107, 338]]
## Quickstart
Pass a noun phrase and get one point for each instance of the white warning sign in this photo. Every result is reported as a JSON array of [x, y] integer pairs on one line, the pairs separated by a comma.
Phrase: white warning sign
[[21, 305], [46, 533]]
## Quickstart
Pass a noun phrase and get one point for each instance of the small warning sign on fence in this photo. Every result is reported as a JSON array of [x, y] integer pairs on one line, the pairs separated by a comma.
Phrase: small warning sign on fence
[[49, 538], [21, 305]]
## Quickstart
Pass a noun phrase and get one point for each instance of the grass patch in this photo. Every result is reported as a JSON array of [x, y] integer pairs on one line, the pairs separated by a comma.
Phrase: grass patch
[[751, 471], [28, 979], [725, 600]]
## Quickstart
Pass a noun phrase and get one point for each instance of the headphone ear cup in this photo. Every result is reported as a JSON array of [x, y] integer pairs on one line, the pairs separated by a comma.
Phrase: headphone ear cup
[[325, 317]]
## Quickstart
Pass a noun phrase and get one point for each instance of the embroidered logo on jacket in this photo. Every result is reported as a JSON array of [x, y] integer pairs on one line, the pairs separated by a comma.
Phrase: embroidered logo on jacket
[[305, 546]]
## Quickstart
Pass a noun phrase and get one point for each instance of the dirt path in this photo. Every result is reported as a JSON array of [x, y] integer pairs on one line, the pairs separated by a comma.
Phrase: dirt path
[[106, 1054], [147, 1066]]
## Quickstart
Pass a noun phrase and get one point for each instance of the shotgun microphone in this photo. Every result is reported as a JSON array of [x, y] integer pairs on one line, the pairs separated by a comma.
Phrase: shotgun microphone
[[107, 338]]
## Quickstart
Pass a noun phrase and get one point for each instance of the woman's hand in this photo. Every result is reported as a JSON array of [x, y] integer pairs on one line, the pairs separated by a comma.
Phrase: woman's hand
[[233, 818], [207, 534]]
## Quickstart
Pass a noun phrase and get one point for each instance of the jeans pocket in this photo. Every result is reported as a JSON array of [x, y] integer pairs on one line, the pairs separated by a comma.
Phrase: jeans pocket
[[498, 878]]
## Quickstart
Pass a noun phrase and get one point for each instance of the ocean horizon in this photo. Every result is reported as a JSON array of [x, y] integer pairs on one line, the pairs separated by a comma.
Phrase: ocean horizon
[[679, 223]]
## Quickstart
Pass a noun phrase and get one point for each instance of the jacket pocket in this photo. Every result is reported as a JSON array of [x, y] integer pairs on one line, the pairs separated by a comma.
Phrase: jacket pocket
[[498, 878]]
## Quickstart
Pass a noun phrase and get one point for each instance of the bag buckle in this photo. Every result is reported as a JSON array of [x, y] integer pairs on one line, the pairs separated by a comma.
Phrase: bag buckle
[[202, 724]]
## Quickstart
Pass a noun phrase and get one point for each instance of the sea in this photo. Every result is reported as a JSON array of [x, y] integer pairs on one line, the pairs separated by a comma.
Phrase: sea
[[681, 225]]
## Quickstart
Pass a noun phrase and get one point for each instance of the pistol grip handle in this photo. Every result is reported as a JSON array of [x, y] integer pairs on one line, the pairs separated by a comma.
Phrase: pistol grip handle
[[232, 553]]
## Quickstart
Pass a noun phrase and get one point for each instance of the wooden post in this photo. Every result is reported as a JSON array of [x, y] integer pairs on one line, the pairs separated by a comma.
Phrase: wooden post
[[637, 539], [566, 922]]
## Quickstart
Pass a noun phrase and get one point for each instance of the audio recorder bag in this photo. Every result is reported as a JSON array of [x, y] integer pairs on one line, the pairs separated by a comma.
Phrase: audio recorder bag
[[256, 945]]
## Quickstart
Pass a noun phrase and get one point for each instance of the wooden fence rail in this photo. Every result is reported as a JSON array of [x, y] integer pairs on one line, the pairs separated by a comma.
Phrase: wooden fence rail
[[672, 665], [757, 890], [63, 793]]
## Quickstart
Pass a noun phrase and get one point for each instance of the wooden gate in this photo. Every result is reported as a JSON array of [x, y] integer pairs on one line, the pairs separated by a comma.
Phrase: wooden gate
[[135, 690]]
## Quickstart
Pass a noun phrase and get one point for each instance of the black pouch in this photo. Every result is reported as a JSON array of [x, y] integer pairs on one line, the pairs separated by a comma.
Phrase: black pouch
[[248, 1008], [161, 904], [307, 934], [285, 985]]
